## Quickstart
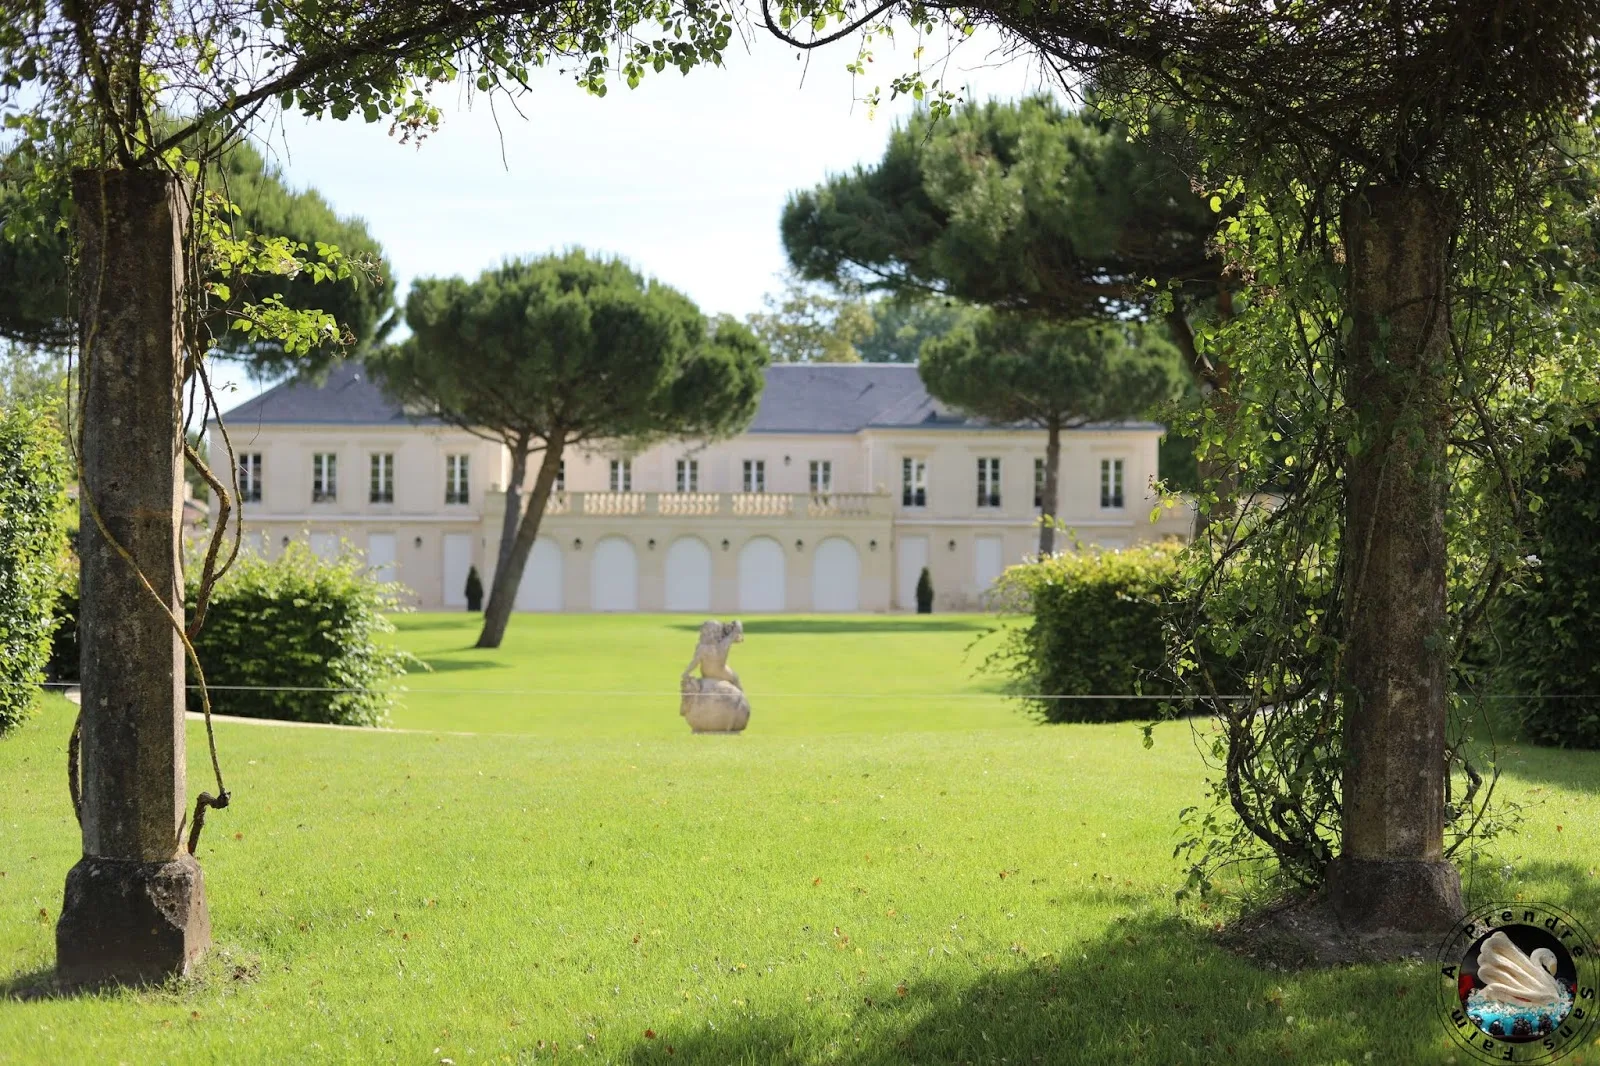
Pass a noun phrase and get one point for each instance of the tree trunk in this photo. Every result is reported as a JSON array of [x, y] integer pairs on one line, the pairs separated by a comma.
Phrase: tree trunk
[[1052, 480], [508, 575], [1391, 873], [513, 515], [135, 904]]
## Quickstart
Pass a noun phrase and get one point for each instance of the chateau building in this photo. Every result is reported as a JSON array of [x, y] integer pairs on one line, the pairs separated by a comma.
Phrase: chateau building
[[848, 482]]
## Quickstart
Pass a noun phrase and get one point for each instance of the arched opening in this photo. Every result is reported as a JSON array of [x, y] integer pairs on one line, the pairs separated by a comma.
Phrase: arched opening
[[688, 575], [836, 576], [761, 576], [614, 576], [540, 587]]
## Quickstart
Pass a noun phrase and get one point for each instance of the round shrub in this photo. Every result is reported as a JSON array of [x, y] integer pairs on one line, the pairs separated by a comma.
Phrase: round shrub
[[33, 550], [1097, 629], [298, 638]]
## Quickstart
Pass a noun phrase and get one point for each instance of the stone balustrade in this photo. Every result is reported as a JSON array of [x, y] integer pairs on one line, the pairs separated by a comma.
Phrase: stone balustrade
[[719, 504]]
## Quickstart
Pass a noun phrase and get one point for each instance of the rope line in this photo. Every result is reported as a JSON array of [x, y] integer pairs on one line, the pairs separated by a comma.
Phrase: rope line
[[653, 693]]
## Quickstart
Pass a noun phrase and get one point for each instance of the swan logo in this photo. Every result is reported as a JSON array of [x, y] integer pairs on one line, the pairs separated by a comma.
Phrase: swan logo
[[1519, 983]]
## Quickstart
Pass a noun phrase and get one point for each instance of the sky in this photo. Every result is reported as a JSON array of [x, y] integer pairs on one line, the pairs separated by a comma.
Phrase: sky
[[685, 176]]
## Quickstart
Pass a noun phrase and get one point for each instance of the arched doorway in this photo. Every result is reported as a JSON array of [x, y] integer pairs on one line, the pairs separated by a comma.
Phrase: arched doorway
[[688, 575], [836, 576], [761, 576], [540, 587], [614, 576]]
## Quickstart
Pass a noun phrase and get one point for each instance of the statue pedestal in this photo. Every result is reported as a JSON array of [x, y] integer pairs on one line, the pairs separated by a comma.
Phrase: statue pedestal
[[712, 706]]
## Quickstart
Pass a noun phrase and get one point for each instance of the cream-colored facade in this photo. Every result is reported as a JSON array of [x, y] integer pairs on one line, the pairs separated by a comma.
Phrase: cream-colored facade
[[775, 519]]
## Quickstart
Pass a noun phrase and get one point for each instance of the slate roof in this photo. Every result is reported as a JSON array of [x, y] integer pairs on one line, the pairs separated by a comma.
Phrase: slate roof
[[798, 398], [345, 397]]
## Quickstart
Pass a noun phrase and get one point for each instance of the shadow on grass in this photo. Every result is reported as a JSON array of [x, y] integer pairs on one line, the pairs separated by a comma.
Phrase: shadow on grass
[[445, 666], [868, 624], [37, 986], [1149, 990], [1565, 767]]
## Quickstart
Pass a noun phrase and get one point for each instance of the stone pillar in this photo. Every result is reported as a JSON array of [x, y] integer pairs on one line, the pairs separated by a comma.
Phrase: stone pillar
[[1391, 874], [135, 904]]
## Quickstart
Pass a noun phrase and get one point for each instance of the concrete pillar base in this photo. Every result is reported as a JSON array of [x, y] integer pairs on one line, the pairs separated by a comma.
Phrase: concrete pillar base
[[131, 922], [1395, 895]]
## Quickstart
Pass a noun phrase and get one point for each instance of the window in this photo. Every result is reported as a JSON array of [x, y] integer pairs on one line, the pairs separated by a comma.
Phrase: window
[[622, 475], [688, 475], [324, 477], [821, 475], [250, 477], [382, 478], [1038, 482], [456, 475], [1111, 483], [755, 475], [913, 482], [561, 476], [988, 482]]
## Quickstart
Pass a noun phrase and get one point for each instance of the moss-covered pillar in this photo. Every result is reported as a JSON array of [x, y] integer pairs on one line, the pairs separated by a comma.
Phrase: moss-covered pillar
[[1391, 873], [135, 904]]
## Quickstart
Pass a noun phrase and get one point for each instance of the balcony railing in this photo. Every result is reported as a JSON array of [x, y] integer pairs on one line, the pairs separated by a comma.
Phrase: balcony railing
[[714, 504]]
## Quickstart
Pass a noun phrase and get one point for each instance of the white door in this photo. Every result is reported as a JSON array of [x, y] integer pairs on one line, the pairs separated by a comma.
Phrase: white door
[[913, 557], [689, 575], [614, 576], [325, 546], [540, 587], [761, 576], [381, 556], [989, 561], [457, 561], [836, 576]]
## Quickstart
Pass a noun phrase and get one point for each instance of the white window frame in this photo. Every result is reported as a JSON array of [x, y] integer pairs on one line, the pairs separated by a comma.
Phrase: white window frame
[[755, 475], [688, 475], [988, 482], [457, 479], [381, 485], [821, 476], [250, 477], [622, 475], [561, 476], [1113, 484], [324, 477], [913, 481]]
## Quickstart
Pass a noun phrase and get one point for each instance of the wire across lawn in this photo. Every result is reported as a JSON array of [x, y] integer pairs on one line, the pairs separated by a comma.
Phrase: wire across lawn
[[853, 881]]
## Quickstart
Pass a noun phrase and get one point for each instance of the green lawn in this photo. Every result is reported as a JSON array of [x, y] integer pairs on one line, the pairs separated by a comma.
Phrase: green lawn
[[920, 881], [905, 672]]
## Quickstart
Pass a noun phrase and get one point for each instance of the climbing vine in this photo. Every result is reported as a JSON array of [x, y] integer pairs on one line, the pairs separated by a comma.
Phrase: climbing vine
[[1261, 644]]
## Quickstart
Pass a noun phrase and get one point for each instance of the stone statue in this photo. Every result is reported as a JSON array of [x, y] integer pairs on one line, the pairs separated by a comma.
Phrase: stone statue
[[714, 702]]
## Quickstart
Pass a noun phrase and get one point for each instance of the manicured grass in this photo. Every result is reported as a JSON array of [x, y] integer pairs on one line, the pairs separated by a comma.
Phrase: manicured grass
[[912, 891], [806, 675]]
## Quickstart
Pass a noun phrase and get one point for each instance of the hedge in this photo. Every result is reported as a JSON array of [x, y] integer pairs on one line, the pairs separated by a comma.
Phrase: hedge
[[1552, 623], [1097, 628], [306, 635], [34, 470]]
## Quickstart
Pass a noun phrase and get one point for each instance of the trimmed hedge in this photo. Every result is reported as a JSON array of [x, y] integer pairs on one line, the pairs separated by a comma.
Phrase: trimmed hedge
[[306, 630], [33, 550], [1097, 629], [1553, 622]]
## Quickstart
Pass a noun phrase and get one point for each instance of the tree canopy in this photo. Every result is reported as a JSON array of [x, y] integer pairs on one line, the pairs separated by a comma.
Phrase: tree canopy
[[1019, 206], [36, 305], [804, 324], [1015, 368], [545, 354]]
